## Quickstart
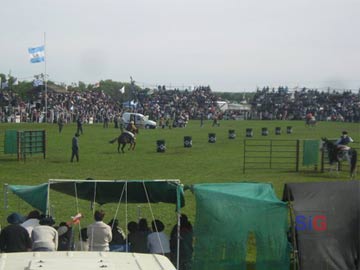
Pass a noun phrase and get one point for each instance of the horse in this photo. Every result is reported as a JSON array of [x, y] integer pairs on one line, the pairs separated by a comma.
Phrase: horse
[[337, 155], [123, 139], [311, 122]]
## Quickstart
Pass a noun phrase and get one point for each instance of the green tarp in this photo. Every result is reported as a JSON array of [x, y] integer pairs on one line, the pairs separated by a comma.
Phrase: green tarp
[[36, 196], [226, 214], [311, 152], [10, 143], [138, 191]]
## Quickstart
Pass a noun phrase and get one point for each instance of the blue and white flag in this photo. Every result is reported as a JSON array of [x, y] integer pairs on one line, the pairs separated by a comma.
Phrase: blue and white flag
[[38, 82], [37, 54], [4, 85]]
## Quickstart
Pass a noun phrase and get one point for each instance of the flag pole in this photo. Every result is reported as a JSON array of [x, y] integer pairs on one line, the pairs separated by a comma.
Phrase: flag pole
[[45, 79]]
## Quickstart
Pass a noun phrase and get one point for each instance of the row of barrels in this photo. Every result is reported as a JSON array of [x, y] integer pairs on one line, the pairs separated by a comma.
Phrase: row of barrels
[[161, 146]]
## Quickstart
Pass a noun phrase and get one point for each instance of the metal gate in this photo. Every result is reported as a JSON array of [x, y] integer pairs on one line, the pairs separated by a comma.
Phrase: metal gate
[[271, 154]]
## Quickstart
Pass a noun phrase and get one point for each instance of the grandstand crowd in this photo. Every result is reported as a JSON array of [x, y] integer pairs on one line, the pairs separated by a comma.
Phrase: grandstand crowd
[[200, 103]]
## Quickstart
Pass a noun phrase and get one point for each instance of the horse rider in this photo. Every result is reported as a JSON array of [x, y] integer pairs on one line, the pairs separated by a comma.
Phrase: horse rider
[[309, 116], [343, 141], [131, 129]]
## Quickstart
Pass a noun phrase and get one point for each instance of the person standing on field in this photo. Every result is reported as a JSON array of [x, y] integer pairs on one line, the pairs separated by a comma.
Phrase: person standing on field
[[60, 123], [79, 123], [75, 148]]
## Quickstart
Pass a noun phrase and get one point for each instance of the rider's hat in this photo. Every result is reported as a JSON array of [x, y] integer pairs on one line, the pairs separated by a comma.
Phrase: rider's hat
[[344, 132], [131, 122]]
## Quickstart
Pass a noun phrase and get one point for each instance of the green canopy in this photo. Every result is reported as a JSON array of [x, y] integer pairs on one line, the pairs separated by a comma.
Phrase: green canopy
[[105, 191], [226, 214], [36, 196]]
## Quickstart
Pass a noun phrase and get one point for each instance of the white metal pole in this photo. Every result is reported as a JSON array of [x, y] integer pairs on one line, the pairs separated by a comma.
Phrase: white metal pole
[[48, 210], [178, 212], [45, 79]]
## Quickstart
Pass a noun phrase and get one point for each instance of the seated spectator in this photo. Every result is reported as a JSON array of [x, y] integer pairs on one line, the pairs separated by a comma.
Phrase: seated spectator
[[32, 221], [99, 233], [14, 237], [65, 235], [143, 226], [83, 244], [137, 239], [158, 241], [44, 236], [118, 242], [186, 243]]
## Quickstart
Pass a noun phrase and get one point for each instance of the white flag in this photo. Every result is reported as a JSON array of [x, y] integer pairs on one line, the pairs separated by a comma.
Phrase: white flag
[[122, 90]]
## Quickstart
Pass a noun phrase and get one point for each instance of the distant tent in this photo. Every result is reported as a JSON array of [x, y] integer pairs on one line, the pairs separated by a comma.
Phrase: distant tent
[[104, 191], [328, 224], [226, 214]]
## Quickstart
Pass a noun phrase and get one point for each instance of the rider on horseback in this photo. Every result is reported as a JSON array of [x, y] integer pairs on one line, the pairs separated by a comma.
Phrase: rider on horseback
[[309, 116], [343, 141], [131, 129]]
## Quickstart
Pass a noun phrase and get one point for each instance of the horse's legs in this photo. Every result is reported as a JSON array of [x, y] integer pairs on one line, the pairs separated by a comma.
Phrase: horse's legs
[[334, 166], [132, 145], [352, 158], [122, 148], [118, 147]]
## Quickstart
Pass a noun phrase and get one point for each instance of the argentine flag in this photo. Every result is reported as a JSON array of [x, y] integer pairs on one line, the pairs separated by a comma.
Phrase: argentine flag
[[37, 54]]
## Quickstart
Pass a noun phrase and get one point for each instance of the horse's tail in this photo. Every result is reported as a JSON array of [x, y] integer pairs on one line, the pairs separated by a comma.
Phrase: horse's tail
[[353, 162], [114, 140]]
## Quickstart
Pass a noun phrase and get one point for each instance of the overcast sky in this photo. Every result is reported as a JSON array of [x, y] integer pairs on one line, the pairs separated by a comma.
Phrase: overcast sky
[[231, 45]]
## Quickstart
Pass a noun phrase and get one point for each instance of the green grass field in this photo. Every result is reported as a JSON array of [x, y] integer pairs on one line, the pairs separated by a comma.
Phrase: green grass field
[[203, 163]]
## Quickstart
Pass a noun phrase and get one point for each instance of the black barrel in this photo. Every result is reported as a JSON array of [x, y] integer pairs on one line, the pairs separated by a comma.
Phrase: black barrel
[[278, 131], [249, 132], [289, 129], [212, 137], [264, 131], [232, 134], [160, 146], [187, 141]]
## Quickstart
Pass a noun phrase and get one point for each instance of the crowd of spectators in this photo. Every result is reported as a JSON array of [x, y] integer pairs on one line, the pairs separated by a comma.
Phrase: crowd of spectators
[[38, 232], [180, 106], [100, 107], [69, 106], [282, 104]]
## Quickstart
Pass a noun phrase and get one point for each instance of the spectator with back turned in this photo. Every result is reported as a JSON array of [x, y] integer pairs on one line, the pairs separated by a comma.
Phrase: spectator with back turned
[[44, 236], [83, 244], [118, 237], [14, 237], [186, 243], [32, 220], [99, 233], [157, 241], [136, 239]]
